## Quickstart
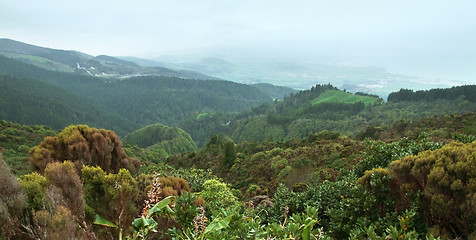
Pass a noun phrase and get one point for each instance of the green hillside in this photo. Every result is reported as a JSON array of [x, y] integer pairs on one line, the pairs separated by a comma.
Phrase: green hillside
[[28, 101], [325, 151], [84, 64], [41, 62], [16, 140], [24, 51], [276, 92], [140, 100], [155, 134], [345, 97], [159, 141], [299, 115], [465, 92]]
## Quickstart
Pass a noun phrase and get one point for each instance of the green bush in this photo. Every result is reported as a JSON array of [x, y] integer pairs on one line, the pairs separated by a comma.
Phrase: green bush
[[301, 163], [380, 154], [447, 179], [35, 186], [284, 172], [218, 196]]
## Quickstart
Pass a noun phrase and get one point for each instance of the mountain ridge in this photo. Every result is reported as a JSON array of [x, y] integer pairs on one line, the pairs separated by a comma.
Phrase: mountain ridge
[[81, 63], [141, 100]]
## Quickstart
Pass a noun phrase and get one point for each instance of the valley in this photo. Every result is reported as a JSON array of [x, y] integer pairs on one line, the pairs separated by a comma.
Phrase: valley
[[128, 148]]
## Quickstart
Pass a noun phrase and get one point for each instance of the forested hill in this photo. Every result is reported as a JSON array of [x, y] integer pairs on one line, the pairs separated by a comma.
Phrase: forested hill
[[276, 92], [140, 100], [80, 63], [29, 101], [468, 92], [297, 115], [318, 109], [156, 142], [324, 107]]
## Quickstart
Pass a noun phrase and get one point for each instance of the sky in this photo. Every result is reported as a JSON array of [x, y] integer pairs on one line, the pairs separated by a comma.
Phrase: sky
[[423, 37]]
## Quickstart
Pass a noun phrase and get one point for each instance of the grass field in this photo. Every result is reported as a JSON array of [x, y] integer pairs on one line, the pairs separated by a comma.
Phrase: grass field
[[40, 62], [344, 97]]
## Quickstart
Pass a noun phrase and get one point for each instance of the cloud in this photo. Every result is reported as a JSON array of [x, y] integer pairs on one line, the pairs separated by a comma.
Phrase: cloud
[[388, 33]]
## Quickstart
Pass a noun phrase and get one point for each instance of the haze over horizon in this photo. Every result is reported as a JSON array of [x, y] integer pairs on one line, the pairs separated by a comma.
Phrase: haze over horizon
[[426, 38]]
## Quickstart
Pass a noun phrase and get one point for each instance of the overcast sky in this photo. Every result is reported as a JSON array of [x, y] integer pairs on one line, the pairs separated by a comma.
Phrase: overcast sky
[[407, 36]]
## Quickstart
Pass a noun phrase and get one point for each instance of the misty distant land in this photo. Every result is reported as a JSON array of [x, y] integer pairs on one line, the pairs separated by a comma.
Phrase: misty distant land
[[299, 75]]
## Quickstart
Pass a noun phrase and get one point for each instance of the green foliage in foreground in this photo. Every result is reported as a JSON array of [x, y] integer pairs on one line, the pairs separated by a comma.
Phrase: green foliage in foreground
[[110, 195], [447, 180], [379, 203], [337, 188]]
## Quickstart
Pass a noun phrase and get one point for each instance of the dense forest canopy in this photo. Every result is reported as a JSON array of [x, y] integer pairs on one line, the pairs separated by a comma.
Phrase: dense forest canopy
[[464, 92], [324, 107], [126, 104], [30, 101]]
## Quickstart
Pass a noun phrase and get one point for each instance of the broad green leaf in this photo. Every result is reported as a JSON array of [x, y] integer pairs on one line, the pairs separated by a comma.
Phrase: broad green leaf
[[98, 220], [139, 223], [142, 222], [306, 232], [160, 205], [218, 224]]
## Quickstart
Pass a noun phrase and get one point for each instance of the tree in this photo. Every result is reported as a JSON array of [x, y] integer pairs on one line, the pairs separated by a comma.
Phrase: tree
[[34, 185], [447, 179], [65, 187], [112, 196], [84, 146], [229, 153], [217, 196], [59, 224], [55, 203], [12, 202]]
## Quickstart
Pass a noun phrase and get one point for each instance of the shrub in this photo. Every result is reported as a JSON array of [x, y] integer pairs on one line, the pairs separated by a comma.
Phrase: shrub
[[447, 179], [380, 154], [301, 163], [112, 196], [35, 186], [64, 181], [284, 172], [83, 146], [253, 190], [57, 225], [218, 196], [12, 202], [278, 163]]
